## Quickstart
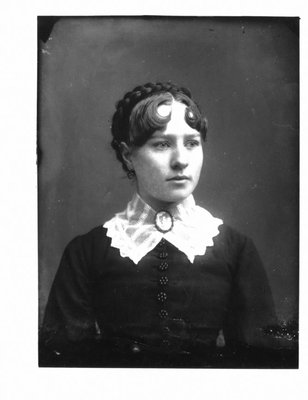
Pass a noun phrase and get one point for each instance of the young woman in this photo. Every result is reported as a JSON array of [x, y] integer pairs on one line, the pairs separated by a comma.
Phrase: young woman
[[163, 283]]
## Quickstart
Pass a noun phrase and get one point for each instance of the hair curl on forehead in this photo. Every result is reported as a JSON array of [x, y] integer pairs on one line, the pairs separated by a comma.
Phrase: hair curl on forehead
[[137, 116]]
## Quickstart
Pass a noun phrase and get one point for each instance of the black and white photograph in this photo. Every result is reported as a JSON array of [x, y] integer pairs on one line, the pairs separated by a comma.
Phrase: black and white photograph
[[153, 200], [168, 192]]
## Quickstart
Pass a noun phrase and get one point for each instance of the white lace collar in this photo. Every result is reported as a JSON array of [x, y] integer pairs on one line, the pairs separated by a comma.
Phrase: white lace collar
[[133, 231]]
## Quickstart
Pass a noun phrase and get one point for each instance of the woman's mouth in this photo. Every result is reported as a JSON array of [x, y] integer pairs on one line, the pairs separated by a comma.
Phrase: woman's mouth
[[179, 178]]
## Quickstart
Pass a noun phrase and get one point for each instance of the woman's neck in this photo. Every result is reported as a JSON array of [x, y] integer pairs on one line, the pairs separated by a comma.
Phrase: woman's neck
[[157, 204]]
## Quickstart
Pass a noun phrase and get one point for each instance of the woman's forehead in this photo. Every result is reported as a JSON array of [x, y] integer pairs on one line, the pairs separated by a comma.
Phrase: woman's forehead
[[176, 130], [177, 123]]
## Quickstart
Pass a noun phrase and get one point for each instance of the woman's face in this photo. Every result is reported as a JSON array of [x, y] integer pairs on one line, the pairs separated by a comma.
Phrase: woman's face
[[168, 165]]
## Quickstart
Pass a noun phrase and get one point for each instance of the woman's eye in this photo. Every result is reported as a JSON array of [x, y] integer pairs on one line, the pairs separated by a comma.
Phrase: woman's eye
[[161, 145], [192, 143]]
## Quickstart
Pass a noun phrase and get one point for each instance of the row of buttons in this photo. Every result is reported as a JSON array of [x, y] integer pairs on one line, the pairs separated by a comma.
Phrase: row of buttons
[[163, 280]]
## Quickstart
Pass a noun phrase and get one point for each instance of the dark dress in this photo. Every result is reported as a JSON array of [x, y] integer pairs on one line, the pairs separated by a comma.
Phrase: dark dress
[[104, 310]]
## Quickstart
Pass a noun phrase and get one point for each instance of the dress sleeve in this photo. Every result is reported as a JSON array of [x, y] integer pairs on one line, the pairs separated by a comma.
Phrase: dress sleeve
[[252, 307], [69, 313]]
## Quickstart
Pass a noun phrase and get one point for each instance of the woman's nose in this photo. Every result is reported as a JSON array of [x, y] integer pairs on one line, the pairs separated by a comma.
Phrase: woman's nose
[[179, 158]]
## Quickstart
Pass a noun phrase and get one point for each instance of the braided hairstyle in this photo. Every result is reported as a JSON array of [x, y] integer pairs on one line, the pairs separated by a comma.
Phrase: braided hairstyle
[[137, 118]]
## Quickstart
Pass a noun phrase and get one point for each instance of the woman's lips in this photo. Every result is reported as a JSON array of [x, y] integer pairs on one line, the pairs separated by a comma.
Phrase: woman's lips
[[179, 178]]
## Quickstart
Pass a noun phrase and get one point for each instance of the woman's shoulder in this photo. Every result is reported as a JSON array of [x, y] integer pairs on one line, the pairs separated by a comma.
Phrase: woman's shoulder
[[95, 240], [221, 232], [95, 234], [231, 238], [229, 232]]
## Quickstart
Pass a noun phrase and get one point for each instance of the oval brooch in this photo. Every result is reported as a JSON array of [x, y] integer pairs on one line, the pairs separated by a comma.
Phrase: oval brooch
[[163, 221]]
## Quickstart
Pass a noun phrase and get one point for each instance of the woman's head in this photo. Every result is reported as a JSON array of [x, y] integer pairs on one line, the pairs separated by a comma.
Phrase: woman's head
[[157, 132]]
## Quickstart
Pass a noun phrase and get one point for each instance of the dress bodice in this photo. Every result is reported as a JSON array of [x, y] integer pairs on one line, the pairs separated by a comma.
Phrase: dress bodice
[[165, 303]]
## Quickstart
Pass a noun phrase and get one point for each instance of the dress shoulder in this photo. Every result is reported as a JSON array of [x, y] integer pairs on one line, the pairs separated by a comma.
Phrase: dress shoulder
[[230, 242], [230, 234], [97, 234], [89, 243]]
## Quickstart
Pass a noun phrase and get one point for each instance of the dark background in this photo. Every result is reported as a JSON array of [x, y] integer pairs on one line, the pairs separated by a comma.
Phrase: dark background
[[244, 74]]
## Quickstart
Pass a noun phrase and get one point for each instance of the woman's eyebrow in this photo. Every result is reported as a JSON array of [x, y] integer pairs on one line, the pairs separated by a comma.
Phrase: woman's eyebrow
[[158, 135]]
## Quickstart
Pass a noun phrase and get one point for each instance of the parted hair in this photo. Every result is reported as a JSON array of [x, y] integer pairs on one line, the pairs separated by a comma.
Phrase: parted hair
[[136, 117]]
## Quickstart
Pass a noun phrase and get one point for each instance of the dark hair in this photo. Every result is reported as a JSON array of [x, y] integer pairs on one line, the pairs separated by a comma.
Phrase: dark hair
[[136, 117]]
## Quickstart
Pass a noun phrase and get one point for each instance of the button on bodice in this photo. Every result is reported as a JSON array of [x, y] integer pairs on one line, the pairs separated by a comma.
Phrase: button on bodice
[[162, 296], [163, 280]]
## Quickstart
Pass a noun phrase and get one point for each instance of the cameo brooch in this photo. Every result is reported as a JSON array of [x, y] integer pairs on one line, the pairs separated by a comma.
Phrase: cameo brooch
[[163, 221]]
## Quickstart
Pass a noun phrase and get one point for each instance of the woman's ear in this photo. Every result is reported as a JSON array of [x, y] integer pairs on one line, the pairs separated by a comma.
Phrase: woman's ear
[[126, 154]]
